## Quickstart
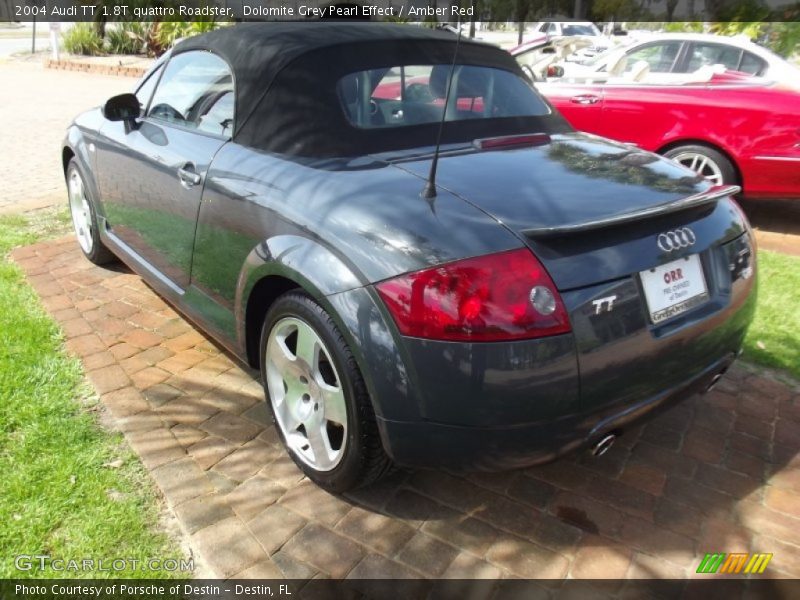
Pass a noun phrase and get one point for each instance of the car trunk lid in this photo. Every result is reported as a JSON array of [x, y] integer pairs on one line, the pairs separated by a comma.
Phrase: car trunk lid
[[596, 213], [549, 193]]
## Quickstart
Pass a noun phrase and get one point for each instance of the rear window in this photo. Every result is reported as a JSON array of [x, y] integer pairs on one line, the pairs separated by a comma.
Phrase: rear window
[[714, 54], [752, 64], [579, 30], [415, 95]]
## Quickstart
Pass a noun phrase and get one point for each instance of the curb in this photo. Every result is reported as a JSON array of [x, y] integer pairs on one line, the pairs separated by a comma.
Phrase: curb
[[118, 70], [28, 205]]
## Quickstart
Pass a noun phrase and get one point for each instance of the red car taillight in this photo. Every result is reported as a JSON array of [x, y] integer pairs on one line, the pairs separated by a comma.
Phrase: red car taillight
[[504, 296]]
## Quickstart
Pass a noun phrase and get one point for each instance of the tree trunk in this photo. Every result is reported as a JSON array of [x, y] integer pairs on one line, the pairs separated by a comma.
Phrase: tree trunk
[[475, 8], [671, 6], [523, 6], [713, 10], [100, 19], [100, 27]]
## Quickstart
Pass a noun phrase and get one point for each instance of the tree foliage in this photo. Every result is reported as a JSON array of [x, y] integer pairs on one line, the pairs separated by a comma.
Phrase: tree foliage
[[781, 37], [778, 29], [130, 37]]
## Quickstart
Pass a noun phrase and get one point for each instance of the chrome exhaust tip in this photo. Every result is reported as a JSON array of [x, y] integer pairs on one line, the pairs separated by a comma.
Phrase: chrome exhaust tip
[[604, 445], [714, 382]]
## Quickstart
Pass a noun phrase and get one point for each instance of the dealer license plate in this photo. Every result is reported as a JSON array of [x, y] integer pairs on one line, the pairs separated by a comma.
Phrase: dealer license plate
[[674, 288]]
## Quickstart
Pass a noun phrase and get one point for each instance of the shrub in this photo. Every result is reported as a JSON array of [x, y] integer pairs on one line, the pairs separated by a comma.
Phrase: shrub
[[82, 38], [128, 38], [166, 33]]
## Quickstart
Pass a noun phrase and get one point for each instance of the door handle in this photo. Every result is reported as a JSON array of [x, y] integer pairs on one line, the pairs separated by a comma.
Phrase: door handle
[[188, 176], [585, 99]]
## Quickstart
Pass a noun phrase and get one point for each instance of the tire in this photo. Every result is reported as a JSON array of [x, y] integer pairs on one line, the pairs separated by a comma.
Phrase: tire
[[312, 384], [84, 217], [716, 167]]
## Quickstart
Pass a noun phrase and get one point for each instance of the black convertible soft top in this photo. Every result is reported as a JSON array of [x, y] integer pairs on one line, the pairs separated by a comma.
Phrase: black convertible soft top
[[285, 77]]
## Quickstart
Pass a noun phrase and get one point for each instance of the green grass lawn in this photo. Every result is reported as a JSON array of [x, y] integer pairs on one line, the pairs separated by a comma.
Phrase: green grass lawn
[[774, 337], [69, 488]]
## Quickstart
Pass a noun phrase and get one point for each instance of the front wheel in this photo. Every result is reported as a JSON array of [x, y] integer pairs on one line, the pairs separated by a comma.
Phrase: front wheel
[[317, 396], [705, 161], [84, 218]]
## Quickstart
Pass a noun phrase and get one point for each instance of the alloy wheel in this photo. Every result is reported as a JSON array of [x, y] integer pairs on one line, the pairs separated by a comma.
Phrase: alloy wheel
[[701, 164], [80, 211], [306, 394]]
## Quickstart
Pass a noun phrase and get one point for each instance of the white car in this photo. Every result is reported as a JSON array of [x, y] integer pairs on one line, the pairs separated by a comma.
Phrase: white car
[[670, 56], [585, 30], [568, 28]]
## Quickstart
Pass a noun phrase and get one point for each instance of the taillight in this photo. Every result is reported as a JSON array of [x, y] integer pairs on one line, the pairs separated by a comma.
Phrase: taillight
[[504, 296]]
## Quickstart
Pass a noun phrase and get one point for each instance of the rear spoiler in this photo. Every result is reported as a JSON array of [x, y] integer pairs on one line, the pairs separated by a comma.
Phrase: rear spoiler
[[712, 194]]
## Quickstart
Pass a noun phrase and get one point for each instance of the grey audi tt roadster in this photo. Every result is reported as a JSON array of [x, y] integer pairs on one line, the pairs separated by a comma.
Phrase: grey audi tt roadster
[[426, 263]]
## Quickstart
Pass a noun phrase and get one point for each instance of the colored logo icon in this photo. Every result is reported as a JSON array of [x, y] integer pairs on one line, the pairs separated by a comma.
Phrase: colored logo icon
[[734, 563]]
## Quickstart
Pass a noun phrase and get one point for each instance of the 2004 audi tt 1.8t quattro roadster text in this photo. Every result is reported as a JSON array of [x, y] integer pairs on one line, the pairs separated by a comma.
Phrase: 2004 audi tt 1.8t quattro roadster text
[[548, 290]]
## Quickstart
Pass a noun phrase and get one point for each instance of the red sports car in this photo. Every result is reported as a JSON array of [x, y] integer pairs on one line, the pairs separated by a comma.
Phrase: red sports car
[[728, 126]]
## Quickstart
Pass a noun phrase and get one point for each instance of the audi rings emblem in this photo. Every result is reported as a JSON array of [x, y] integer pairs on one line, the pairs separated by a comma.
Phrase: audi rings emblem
[[676, 239]]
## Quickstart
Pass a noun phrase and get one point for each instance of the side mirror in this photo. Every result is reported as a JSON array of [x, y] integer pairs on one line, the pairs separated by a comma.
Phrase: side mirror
[[124, 107]]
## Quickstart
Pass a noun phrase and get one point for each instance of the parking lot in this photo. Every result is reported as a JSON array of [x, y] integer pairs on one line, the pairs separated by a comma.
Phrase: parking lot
[[720, 473]]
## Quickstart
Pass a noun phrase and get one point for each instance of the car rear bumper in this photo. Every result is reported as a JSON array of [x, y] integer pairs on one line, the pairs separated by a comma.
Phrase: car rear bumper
[[438, 445], [498, 406]]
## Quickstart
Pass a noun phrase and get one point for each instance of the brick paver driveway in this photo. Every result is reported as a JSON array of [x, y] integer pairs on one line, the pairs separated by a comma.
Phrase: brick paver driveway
[[37, 106], [719, 473]]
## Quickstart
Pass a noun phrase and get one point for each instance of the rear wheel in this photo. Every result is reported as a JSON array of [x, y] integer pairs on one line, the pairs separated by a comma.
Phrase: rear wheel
[[710, 163], [317, 396], [84, 218]]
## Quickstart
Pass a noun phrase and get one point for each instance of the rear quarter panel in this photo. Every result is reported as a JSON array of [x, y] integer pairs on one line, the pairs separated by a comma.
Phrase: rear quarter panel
[[333, 228], [369, 215]]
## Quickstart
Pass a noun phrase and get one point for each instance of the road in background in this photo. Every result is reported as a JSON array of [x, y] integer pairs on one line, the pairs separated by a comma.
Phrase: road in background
[[16, 38], [9, 46]]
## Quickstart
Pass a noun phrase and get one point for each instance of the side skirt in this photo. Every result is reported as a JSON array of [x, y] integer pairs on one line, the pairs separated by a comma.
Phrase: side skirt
[[172, 293]]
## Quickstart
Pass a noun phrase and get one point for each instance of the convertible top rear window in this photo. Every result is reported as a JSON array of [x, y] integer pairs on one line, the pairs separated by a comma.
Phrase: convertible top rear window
[[288, 100], [408, 95]]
